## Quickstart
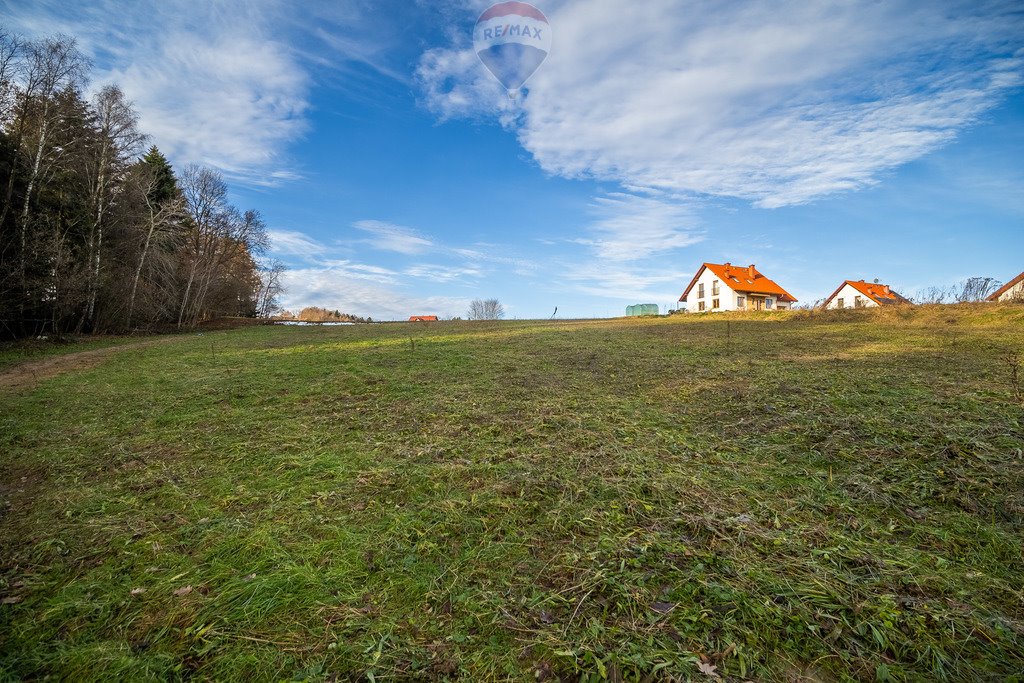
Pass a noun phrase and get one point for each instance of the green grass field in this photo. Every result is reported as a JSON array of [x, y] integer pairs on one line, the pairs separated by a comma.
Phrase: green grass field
[[12, 354], [827, 496]]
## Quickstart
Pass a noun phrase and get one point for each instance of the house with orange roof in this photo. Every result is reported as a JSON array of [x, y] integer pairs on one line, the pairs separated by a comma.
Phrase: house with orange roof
[[423, 318], [1011, 291], [861, 294], [724, 287]]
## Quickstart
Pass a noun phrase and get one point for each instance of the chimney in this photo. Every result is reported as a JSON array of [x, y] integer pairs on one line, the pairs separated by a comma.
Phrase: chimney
[[750, 271]]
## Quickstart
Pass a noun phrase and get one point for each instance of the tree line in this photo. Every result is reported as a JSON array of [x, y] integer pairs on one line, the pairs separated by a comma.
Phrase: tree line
[[99, 234], [319, 315]]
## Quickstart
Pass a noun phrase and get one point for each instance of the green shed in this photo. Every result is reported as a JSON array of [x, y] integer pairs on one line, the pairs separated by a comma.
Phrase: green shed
[[642, 309]]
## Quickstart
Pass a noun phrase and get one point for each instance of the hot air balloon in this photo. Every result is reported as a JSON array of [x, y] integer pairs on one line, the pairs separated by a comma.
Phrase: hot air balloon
[[512, 39]]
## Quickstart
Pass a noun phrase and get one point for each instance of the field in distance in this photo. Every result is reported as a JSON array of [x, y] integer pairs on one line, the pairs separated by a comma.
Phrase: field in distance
[[826, 496]]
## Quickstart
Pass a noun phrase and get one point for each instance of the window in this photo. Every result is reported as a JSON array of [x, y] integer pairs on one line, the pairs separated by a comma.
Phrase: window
[[714, 303], [700, 306], [840, 303], [768, 303], [700, 291], [714, 287], [858, 302], [741, 302]]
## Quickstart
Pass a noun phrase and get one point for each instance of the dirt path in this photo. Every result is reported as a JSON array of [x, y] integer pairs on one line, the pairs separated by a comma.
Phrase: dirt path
[[30, 373]]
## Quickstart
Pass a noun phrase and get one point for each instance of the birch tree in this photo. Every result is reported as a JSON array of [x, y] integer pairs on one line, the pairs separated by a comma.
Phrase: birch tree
[[49, 65], [160, 224], [117, 140]]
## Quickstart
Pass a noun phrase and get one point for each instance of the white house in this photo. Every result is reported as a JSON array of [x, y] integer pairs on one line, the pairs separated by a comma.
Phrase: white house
[[860, 294], [1011, 291], [725, 287]]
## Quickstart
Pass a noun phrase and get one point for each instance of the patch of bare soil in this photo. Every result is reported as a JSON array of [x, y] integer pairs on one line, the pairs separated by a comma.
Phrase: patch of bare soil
[[30, 373]]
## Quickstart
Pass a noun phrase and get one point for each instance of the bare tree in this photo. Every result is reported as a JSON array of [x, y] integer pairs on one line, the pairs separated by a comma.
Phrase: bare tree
[[933, 295], [971, 289], [11, 53], [271, 288], [205, 195], [50, 65], [118, 139], [490, 309], [33, 76], [219, 235], [159, 223], [42, 247], [975, 289]]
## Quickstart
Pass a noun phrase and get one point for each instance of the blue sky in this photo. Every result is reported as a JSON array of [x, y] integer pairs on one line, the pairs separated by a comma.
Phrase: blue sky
[[821, 141]]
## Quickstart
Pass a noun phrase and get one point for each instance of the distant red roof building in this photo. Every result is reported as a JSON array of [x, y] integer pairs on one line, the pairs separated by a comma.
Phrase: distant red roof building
[[423, 318], [864, 294]]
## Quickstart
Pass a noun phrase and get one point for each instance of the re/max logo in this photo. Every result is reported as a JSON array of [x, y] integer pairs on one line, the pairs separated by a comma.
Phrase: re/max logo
[[512, 30]]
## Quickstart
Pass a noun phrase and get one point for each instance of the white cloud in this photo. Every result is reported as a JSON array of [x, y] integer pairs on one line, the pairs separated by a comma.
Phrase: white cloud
[[627, 283], [225, 83], [439, 273], [337, 289], [633, 226], [209, 80], [483, 253], [455, 85], [232, 100], [344, 268], [775, 103], [364, 289], [294, 243], [321, 275], [325, 258], [391, 237]]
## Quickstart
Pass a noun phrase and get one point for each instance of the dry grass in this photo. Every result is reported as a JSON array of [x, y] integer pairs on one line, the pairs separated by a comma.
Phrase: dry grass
[[814, 496]]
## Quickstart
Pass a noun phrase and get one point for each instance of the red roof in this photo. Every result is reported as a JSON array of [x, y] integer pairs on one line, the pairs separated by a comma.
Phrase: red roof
[[422, 318], [741, 279], [1006, 288], [876, 291]]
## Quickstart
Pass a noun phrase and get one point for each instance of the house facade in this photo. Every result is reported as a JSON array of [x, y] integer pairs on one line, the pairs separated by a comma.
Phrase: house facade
[[861, 294], [1011, 291], [719, 287]]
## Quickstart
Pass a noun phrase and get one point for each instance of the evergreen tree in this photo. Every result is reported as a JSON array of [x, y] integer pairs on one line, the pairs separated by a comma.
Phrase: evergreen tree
[[166, 185]]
